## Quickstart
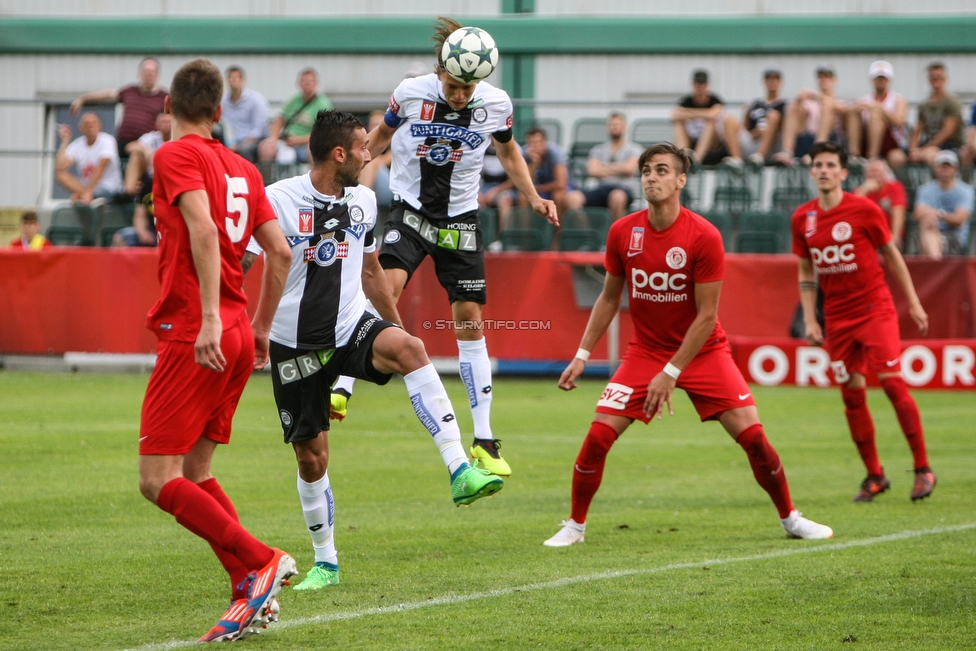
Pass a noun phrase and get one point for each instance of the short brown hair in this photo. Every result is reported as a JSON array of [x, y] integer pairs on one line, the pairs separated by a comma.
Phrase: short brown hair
[[826, 147], [666, 148], [535, 129], [28, 217], [196, 92], [443, 27]]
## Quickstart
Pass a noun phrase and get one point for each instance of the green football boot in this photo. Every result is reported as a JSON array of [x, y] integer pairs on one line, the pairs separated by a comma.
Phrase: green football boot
[[320, 576], [471, 484]]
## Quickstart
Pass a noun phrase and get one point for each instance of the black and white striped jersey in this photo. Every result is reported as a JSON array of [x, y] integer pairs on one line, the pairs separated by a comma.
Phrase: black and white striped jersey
[[323, 298], [438, 151]]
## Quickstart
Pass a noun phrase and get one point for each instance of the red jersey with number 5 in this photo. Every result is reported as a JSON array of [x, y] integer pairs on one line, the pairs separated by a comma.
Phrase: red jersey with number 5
[[842, 243], [237, 205], [661, 269]]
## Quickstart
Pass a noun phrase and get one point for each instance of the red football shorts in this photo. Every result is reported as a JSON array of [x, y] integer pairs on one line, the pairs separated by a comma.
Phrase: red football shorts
[[185, 401], [712, 381], [871, 342]]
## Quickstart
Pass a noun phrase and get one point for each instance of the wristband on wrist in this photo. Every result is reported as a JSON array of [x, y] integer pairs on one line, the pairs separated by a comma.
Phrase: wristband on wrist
[[583, 354], [672, 371]]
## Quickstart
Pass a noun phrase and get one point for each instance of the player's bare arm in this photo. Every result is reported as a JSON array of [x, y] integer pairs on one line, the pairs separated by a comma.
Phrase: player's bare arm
[[662, 386], [248, 261], [898, 268], [378, 290], [277, 262], [510, 156], [378, 140], [103, 95], [604, 309], [195, 207], [808, 299]]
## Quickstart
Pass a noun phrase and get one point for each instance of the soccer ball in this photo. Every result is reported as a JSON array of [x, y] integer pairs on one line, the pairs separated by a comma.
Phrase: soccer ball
[[469, 54]]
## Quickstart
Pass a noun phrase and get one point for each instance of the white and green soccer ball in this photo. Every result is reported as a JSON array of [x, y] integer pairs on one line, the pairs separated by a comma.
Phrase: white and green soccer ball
[[469, 54]]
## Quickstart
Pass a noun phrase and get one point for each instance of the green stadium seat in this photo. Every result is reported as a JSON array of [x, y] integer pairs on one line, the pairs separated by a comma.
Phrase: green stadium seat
[[66, 235], [579, 239], [488, 219], [757, 242], [111, 219], [75, 216], [775, 223], [723, 222], [650, 131], [788, 199], [521, 239], [732, 200]]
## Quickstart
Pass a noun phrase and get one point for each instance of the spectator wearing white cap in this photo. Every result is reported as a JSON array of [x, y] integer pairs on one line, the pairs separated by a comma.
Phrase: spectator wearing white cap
[[942, 209], [939, 120], [876, 126]]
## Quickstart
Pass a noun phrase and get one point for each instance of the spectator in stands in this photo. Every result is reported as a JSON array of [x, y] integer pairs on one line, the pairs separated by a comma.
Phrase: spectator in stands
[[497, 190], [287, 139], [141, 103], [547, 166], [138, 172], [942, 209], [699, 126], [376, 173], [245, 112], [30, 238], [614, 164], [939, 123], [877, 123], [95, 157], [968, 152], [815, 116], [882, 188], [762, 121]]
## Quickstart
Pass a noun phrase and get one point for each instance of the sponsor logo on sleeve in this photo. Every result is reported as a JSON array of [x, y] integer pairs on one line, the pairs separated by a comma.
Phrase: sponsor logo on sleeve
[[811, 225], [356, 215], [305, 221], [508, 122], [636, 241], [394, 106], [427, 111]]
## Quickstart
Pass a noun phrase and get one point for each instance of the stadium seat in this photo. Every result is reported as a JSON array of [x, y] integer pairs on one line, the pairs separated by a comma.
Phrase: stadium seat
[[587, 133], [774, 223], [757, 242], [521, 239], [488, 219], [788, 199], [112, 218], [650, 131], [66, 235], [78, 217], [732, 200], [723, 222], [579, 239], [855, 177], [523, 219]]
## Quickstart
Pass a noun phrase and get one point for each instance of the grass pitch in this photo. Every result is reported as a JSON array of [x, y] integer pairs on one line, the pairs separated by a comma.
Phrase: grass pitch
[[683, 550]]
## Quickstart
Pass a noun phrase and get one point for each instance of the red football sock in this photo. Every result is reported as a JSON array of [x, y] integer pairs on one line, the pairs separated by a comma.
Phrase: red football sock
[[196, 510], [766, 467], [588, 471], [233, 566], [908, 417], [862, 427]]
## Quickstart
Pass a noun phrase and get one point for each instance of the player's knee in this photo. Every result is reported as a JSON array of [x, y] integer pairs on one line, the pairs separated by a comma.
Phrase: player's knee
[[599, 439], [312, 463], [854, 398], [149, 488], [895, 388]]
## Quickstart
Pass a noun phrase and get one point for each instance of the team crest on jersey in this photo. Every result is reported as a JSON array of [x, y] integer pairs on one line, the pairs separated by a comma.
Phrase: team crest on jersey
[[305, 221], [427, 111], [636, 240], [479, 115], [356, 230], [811, 226], [356, 215], [394, 105], [676, 257], [439, 154], [326, 252], [841, 232], [392, 237]]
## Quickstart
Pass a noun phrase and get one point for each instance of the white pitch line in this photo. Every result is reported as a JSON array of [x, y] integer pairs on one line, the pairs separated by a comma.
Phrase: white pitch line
[[586, 578]]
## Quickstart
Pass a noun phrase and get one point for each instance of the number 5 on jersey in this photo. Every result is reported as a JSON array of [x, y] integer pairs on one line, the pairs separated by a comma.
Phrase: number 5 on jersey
[[236, 202]]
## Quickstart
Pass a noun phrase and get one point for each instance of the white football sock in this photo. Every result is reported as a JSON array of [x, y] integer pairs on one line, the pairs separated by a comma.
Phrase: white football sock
[[345, 383], [318, 506], [476, 375], [434, 410]]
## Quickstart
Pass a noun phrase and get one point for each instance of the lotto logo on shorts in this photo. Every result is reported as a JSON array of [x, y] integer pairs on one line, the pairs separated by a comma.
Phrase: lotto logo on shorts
[[615, 396]]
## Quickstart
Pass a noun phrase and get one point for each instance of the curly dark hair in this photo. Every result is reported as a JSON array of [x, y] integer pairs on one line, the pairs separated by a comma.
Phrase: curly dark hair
[[331, 129]]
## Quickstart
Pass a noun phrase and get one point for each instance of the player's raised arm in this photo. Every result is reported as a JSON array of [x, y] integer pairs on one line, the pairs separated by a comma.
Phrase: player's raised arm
[[897, 265], [808, 300], [377, 288], [604, 309], [204, 243], [277, 262], [660, 389], [378, 140], [510, 156]]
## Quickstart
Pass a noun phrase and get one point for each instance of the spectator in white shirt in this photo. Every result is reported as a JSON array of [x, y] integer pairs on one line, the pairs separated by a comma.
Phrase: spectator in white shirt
[[94, 157], [245, 112]]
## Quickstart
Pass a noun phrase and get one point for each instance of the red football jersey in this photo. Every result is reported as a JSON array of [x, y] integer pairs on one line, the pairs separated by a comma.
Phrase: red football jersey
[[843, 244], [661, 269], [890, 196], [237, 204]]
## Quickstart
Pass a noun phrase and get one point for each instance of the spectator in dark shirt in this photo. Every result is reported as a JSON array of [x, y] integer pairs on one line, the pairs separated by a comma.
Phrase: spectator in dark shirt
[[939, 123], [700, 128], [141, 102], [762, 121]]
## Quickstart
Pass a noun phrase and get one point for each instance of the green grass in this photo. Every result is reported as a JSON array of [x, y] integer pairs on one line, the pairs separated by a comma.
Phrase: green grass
[[86, 562]]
